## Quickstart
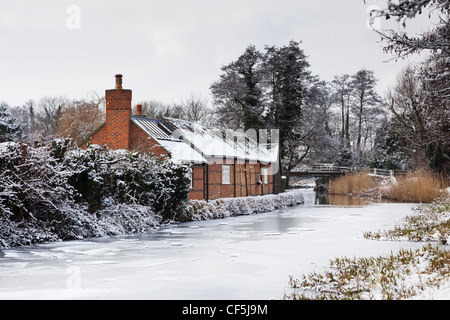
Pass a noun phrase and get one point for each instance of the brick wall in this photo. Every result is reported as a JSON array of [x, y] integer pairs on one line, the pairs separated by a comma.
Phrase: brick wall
[[268, 188], [198, 183], [140, 141], [244, 180], [100, 136]]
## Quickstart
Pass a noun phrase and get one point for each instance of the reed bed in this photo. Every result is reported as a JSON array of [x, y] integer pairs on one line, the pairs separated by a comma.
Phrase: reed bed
[[353, 184], [417, 186]]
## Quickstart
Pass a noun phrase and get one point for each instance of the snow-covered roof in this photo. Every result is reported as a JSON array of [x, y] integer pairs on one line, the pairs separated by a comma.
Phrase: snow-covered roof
[[154, 127], [230, 144], [180, 151]]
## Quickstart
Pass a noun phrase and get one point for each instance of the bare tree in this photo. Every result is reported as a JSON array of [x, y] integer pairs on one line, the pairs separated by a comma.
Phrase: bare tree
[[80, 118], [154, 109], [400, 42], [366, 97], [49, 111], [429, 110], [342, 93], [405, 102], [195, 108]]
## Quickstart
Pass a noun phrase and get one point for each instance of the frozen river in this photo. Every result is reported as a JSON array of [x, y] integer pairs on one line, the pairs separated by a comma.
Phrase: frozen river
[[248, 257]]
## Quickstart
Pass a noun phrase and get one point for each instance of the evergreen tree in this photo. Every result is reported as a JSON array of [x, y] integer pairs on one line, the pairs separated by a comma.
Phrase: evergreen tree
[[238, 93], [287, 75], [9, 127], [266, 91]]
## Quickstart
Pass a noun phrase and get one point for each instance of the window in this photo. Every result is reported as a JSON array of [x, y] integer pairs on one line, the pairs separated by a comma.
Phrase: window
[[226, 173], [265, 173]]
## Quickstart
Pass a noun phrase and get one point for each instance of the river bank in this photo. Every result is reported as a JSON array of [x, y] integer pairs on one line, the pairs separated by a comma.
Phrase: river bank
[[127, 219], [239, 258], [423, 273]]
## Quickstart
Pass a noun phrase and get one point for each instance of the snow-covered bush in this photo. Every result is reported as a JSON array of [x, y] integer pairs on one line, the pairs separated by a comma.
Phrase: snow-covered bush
[[105, 178], [37, 203], [224, 208], [53, 192]]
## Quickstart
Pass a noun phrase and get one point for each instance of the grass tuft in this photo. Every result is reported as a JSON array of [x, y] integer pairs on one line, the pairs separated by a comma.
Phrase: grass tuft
[[430, 222], [397, 276]]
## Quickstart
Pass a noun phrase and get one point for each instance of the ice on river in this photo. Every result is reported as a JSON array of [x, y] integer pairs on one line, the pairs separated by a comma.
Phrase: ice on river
[[248, 257]]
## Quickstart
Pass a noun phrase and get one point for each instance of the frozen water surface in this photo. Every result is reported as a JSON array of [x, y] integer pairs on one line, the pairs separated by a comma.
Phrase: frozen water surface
[[248, 257]]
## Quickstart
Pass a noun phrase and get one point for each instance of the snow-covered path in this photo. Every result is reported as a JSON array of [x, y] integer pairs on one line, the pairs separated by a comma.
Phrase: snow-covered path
[[249, 257]]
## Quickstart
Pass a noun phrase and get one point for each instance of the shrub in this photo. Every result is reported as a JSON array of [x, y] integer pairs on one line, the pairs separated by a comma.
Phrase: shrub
[[223, 208], [104, 178], [53, 192]]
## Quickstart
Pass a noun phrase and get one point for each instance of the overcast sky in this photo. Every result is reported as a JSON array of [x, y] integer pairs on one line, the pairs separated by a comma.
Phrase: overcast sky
[[167, 49]]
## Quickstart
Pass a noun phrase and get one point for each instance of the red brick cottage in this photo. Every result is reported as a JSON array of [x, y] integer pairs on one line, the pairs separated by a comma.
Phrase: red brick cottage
[[223, 163]]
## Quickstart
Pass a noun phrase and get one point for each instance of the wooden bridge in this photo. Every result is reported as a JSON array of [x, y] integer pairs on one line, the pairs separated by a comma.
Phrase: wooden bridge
[[330, 170]]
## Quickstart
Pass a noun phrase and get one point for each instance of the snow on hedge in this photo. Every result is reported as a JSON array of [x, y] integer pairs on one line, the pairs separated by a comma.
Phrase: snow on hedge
[[53, 193], [224, 208], [56, 192]]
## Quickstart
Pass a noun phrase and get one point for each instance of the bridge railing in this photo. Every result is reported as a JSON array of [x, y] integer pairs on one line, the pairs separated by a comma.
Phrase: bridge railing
[[331, 168]]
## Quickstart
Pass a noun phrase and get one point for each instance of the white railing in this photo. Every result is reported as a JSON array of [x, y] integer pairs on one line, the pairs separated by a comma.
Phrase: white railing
[[331, 168]]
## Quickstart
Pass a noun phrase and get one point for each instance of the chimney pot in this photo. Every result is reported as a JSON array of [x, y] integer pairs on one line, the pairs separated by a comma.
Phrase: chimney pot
[[139, 110], [119, 81]]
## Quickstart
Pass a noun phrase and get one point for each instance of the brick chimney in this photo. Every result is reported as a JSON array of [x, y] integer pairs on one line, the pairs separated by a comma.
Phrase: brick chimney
[[139, 110], [118, 115]]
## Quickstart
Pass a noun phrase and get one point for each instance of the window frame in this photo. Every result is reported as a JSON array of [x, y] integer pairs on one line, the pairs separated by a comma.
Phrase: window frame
[[265, 174], [226, 174]]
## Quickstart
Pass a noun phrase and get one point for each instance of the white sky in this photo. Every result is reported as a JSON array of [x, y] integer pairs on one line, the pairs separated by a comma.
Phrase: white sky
[[167, 49]]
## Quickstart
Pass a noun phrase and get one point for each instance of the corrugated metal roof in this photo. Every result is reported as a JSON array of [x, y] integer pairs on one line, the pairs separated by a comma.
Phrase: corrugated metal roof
[[155, 128], [179, 150], [215, 143]]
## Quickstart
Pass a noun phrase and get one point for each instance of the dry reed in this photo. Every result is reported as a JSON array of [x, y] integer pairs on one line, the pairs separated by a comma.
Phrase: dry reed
[[352, 184], [418, 186]]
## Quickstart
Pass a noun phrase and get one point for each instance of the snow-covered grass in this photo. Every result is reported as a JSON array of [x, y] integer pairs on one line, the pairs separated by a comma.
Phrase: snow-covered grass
[[405, 275], [430, 222], [225, 208], [397, 276]]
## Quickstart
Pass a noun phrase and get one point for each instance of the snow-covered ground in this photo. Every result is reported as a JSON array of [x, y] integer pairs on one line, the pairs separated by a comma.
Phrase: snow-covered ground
[[247, 257]]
